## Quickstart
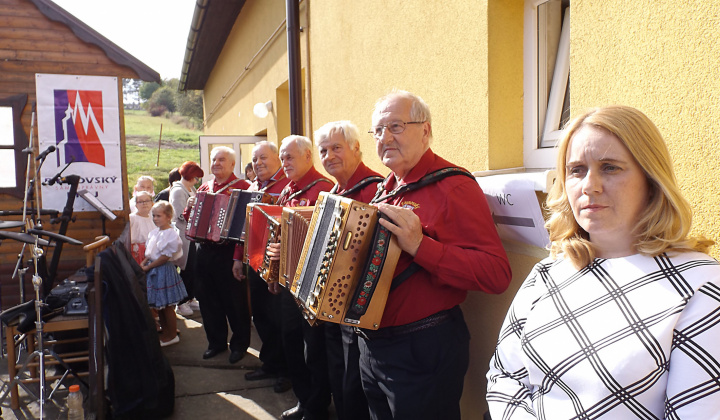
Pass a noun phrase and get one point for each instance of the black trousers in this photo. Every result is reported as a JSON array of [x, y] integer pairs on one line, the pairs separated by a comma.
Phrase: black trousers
[[266, 317], [343, 356], [306, 359], [188, 274], [418, 375], [223, 299]]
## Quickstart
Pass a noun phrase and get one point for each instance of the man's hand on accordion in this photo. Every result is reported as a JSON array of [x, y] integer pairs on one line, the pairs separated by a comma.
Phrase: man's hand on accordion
[[405, 226], [273, 251]]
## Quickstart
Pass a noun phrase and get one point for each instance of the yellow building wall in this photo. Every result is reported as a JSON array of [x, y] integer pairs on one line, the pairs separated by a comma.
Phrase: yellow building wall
[[661, 57], [450, 56], [252, 68]]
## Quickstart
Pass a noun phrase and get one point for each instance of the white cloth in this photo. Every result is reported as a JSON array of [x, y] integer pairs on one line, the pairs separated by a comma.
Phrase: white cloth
[[179, 196], [133, 205], [163, 242], [140, 227], [624, 338]]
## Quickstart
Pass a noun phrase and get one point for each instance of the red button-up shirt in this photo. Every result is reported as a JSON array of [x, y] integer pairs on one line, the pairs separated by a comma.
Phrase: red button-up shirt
[[460, 249], [274, 185], [308, 197], [365, 194]]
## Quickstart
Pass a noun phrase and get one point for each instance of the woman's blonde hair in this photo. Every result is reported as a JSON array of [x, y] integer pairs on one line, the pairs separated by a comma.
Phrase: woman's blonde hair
[[665, 223]]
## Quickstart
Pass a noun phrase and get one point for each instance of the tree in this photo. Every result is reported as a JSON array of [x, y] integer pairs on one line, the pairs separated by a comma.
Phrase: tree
[[190, 104], [147, 90], [161, 101]]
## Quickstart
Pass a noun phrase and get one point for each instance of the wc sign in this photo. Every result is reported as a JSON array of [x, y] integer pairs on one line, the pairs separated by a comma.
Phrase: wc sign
[[78, 119]]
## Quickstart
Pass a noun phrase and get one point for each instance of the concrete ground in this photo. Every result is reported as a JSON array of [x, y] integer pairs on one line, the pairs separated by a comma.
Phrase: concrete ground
[[203, 388]]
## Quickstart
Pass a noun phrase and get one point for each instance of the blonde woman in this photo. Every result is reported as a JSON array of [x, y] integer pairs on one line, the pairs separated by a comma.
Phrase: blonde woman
[[622, 321]]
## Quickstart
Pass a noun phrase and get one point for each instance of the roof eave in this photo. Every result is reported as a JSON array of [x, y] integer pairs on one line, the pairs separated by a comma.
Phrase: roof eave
[[55, 13]]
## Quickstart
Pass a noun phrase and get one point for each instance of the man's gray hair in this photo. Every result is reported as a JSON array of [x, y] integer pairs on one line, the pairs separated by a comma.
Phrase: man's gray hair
[[349, 131], [269, 144], [225, 149], [419, 110], [304, 143]]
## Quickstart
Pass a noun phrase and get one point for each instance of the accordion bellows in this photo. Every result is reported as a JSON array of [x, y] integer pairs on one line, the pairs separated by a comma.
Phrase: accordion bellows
[[293, 231], [263, 228], [346, 265]]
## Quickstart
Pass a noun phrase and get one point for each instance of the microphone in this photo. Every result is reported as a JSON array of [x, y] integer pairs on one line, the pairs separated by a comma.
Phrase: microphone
[[45, 152], [27, 150]]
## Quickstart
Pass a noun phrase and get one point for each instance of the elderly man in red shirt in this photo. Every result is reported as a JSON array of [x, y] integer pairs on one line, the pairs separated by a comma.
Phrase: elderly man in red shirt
[[413, 366], [223, 300], [304, 345], [338, 144], [270, 179]]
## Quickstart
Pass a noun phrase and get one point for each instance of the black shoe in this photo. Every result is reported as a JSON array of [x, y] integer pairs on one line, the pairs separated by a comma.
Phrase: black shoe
[[295, 413], [235, 356], [210, 353], [281, 385], [258, 374]]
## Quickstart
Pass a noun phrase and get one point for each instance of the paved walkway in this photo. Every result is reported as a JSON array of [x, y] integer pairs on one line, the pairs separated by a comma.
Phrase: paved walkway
[[203, 388]]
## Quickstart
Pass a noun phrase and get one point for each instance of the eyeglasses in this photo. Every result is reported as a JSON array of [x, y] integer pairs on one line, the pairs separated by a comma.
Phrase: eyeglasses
[[395, 127]]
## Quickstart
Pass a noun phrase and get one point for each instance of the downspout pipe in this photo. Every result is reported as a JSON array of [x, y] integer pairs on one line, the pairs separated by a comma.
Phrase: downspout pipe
[[292, 11]]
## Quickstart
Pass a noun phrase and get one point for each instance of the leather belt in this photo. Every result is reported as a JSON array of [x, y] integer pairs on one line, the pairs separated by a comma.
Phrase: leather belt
[[428, 322]]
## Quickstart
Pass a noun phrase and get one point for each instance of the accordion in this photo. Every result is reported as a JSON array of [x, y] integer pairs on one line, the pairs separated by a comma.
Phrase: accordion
[[263, 227], [207, 217], [346, 265], [293, 230], [234, 224]]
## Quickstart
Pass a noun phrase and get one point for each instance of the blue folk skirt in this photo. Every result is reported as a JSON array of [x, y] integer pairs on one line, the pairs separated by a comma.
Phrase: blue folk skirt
[[164, 286]]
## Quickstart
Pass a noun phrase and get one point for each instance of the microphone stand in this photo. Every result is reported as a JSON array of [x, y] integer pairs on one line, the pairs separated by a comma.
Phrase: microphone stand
[[73, 181], [19, 269]]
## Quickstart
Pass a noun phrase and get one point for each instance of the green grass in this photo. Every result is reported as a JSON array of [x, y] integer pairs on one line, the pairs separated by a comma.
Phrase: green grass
[[142, 160], [140, 123]]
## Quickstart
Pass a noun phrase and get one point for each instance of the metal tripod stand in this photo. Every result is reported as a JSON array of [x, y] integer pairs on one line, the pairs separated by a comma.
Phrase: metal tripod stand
[[40, 353]]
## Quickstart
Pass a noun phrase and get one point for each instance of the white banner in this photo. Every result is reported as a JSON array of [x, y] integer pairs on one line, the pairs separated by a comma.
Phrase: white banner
[[79, 116]]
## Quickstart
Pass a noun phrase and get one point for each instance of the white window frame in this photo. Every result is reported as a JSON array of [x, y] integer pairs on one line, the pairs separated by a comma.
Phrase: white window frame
[[538, 148]]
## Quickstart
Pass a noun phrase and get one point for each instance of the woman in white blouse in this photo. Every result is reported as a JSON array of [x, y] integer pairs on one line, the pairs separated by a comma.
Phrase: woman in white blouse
[[622, 321]]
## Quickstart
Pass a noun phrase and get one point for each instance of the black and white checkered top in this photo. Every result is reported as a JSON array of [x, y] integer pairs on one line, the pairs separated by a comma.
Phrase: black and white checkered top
[[625, 338]]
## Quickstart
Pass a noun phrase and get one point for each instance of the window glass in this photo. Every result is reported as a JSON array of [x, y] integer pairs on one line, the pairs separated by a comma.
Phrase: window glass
[[553, 71], [7, 169], [7, 133]]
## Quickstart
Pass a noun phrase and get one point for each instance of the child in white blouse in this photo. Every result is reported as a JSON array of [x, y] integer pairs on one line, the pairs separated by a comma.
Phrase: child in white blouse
[[140, 225], [165, 288]]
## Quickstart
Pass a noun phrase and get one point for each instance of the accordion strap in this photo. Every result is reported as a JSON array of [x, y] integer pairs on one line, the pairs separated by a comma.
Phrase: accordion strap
[[406, 273], [226, 187], [379, 247], [296, 193], [274, 181], [361, 184], [428, 179]]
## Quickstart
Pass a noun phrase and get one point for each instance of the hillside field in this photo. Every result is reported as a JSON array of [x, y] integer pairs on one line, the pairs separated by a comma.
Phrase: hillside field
[[142, 131]]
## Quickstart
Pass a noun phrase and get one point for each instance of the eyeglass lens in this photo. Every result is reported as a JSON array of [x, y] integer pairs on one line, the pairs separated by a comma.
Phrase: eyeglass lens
[[395, 127]]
